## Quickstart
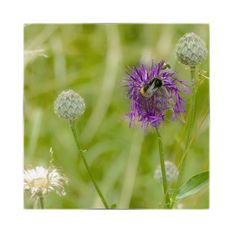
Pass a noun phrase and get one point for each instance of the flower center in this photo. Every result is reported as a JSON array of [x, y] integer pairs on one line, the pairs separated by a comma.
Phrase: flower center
[[40, 183]]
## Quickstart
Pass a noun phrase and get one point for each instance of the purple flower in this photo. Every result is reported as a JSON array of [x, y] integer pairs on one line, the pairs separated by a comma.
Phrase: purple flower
[[152, 92]]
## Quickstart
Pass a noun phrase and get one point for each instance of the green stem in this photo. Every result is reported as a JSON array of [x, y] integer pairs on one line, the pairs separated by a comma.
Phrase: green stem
[[191, 119], [193, 109], [41, 201], [74, 131], [163, 170]]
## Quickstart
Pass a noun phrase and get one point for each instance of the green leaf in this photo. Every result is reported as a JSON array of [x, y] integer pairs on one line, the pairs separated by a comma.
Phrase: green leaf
[[193, 185], [113, 206]]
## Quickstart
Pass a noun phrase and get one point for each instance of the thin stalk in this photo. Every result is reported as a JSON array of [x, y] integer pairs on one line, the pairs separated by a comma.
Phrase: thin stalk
[[41, 201], [74, 131], [193, 109], [191, 119], [163, 170]]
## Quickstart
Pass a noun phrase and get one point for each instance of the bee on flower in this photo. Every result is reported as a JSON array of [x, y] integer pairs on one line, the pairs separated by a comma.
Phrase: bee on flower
[[152, 91]]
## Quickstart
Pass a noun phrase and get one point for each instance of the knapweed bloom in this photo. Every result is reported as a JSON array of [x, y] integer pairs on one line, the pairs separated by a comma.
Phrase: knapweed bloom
[[191, 50], [152, 92], [171, 172], [39, 181], [69, 105]]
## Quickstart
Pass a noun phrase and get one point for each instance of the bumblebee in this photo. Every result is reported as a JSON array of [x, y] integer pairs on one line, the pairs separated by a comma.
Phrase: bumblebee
[[150, 88]]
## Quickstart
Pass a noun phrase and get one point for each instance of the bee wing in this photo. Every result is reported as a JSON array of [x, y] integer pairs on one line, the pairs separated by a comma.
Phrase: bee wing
[[151, 89]]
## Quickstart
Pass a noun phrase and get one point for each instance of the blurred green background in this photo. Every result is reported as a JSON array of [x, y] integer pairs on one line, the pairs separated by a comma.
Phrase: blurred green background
[[92, 59]]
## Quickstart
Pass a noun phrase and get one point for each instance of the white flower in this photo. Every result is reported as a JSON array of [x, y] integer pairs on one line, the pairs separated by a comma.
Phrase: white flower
[[171, 172], [39, 181]]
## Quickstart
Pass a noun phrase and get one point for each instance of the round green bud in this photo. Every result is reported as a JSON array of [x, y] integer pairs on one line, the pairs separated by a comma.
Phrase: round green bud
[[69, 105], [191, 49], [171, 172]]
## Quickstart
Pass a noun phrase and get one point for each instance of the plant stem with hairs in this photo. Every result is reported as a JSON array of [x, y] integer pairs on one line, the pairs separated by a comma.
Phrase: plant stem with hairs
[[41, 201], [74, 131], [191, 119], [163, 170]]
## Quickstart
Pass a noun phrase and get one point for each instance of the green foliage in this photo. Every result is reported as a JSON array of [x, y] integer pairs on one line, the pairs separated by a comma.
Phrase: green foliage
[[113, 206], [92, 59], [193, 185]]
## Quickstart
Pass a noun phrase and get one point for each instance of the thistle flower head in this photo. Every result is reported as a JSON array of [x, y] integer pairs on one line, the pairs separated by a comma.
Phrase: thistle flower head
[[191, 50], [171, 172], [69, 105], [152, 91], [39, 181]]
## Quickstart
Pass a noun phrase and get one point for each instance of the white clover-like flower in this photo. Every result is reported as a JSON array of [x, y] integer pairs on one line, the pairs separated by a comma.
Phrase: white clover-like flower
[[171, 172], [39, 181]]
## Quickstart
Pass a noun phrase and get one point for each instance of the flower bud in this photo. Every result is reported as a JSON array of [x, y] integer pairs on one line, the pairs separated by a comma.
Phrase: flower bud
[[69, 105], [191, 50], [171, 172]]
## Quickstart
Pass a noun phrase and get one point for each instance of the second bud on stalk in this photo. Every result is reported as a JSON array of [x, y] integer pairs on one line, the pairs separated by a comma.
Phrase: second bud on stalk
[[191, 50]]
